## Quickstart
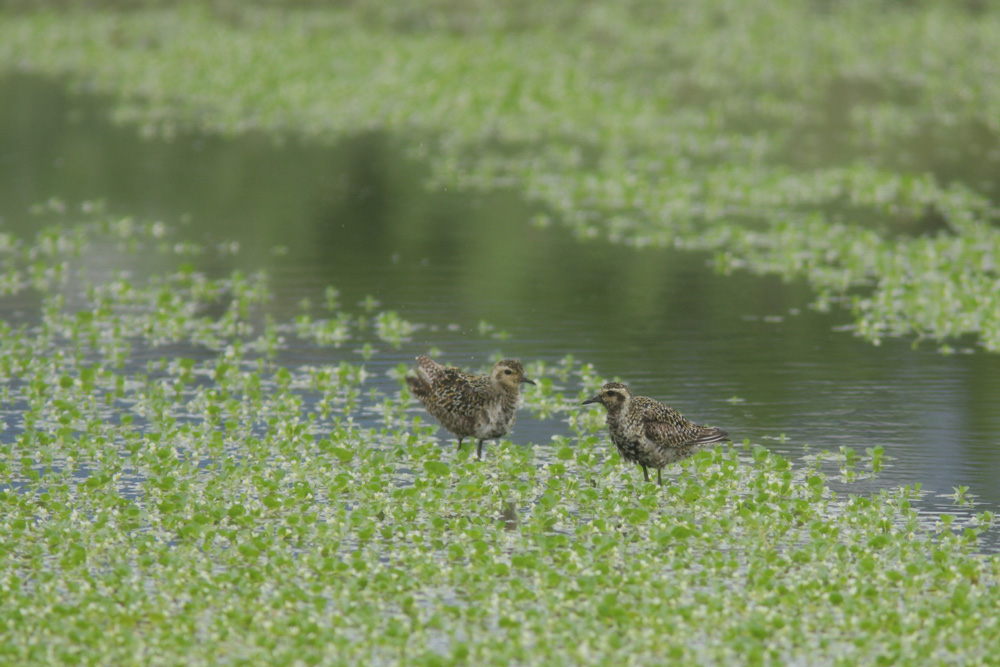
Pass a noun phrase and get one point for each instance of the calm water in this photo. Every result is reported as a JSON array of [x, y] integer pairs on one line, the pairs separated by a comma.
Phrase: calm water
[[357, 216]]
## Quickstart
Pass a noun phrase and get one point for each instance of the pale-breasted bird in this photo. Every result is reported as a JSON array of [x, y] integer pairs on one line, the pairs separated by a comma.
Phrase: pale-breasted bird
[[480, 406], [650, 433]]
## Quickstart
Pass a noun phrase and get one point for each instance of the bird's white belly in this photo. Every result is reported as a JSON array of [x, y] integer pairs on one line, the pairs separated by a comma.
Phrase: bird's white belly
[[496, 423]]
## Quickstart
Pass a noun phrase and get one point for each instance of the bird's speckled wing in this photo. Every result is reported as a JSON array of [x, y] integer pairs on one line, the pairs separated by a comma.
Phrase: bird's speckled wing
[[460, 392], [455, 398], [431, 370], [665, 426]]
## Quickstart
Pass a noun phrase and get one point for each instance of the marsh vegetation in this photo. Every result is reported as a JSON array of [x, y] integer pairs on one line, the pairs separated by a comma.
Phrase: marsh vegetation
[[221, 251]]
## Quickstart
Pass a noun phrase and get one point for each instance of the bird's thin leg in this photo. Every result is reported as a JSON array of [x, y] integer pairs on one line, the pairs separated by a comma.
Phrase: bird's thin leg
[[479, 450], [659, 479], [644, 472], [460, 444]]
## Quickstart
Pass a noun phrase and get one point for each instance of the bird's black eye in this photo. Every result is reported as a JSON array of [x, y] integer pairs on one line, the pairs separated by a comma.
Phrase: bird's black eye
[[612, 393], [506, 371]]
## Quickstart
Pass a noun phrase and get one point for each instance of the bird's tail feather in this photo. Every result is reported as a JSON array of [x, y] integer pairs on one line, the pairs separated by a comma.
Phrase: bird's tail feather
[[418, 385]]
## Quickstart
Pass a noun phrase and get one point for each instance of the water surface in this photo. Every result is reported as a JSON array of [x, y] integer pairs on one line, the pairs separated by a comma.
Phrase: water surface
[[741, 352]]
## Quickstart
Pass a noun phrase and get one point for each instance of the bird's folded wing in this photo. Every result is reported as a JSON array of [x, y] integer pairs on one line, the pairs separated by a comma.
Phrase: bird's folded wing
[[664, 433]]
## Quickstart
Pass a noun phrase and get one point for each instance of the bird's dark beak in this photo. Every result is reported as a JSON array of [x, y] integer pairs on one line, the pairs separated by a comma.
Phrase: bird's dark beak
[[595, 399], [523, 380]]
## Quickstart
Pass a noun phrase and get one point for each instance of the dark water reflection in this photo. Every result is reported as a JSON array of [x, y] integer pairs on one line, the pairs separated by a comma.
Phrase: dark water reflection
[[357, 216]]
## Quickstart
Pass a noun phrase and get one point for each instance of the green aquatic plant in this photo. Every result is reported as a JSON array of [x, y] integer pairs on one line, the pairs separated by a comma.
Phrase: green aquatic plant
[[173, 491]]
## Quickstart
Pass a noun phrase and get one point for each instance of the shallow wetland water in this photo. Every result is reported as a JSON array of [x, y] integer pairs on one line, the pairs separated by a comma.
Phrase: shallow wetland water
[[742, 352], [208, 456]]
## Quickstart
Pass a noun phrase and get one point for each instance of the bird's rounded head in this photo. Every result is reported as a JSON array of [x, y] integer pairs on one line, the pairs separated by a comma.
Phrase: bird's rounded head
[[613, 396], [509, 374]]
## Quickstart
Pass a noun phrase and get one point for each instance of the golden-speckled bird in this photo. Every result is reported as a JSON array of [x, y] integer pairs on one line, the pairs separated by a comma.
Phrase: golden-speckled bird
[[650, 433], [480, 406]]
